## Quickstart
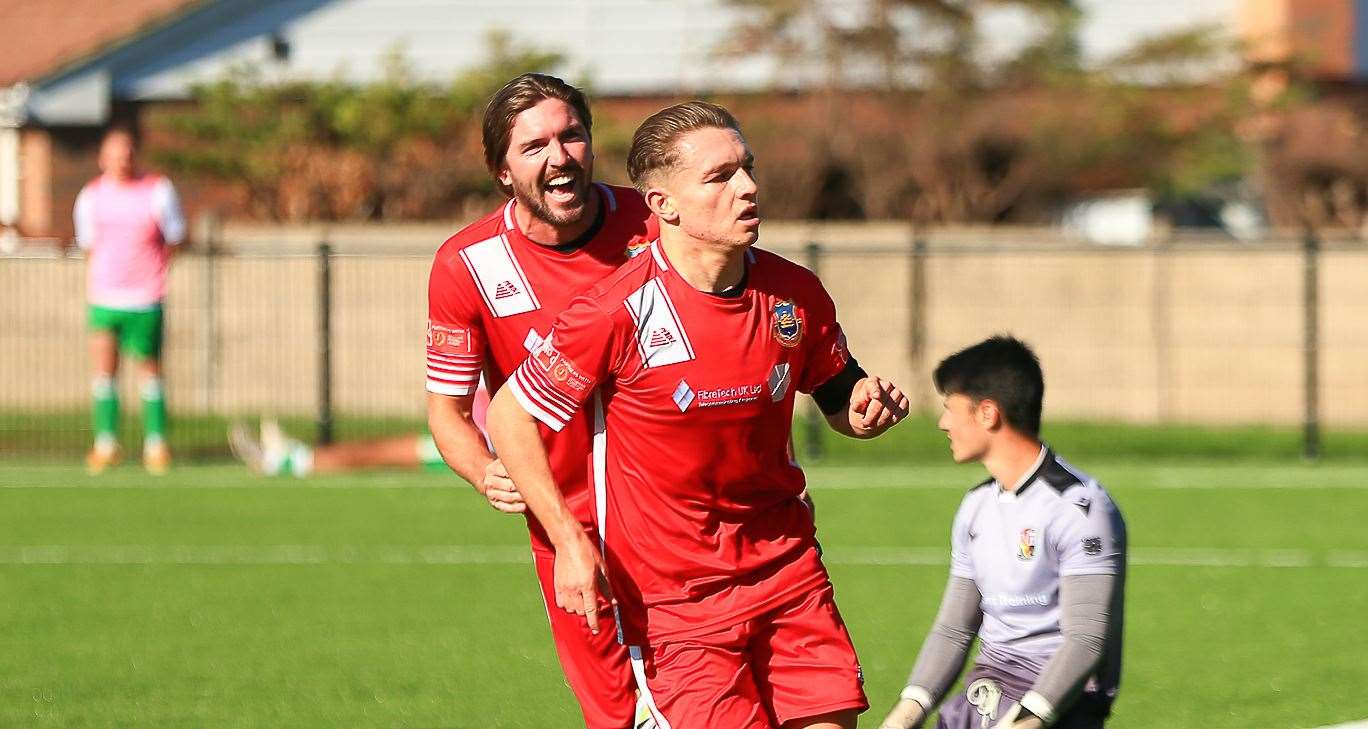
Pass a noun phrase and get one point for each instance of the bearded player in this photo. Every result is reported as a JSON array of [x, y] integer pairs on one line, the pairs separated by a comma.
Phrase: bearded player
[[495, 288], [696, 351]]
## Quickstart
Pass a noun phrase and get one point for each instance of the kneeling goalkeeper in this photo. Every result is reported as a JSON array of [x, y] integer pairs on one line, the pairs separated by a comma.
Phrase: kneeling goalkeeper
[[1037, 573]]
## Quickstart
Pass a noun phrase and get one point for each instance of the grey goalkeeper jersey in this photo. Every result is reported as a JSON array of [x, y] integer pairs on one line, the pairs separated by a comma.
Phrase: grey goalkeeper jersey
[[1016, 546]]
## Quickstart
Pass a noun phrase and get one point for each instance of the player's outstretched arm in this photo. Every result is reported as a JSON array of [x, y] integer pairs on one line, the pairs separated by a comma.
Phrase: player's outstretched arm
[[463, 448], [942, 655], [579, 572], [875, 406], [1085, 616]]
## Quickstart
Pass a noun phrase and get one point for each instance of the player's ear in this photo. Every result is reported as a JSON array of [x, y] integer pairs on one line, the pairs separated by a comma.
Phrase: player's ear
[[505, 177], [988, 415], [660, 203]]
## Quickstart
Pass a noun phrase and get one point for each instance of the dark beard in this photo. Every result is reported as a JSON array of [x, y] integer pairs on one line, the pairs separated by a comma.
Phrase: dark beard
[[535, 202]]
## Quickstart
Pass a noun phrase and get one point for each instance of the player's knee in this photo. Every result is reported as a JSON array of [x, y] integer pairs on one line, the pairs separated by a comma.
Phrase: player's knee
[[102, 386], [151, 388]]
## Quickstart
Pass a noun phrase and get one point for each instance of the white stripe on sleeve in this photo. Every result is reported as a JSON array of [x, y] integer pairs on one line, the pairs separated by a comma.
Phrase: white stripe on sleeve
[[531, 405], [535, 382], [451, 390]]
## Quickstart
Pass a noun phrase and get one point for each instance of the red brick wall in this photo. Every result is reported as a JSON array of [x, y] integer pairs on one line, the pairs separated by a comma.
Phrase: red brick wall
[[74, 163], [1322, 33]]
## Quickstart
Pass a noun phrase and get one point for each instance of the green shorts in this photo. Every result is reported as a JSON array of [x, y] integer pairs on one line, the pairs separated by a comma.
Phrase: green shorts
[[139, 332]]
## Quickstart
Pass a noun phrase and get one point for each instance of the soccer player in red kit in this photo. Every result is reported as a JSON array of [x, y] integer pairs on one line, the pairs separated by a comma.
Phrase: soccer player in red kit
[[495, 288], [691, 355]]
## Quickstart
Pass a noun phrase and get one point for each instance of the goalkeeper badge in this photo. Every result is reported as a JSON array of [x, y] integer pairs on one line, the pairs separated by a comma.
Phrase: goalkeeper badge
[[1026, 551]]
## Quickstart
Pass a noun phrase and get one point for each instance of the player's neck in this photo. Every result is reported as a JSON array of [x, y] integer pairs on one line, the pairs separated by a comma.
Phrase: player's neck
[[707, 268], [1011, 459], [549, 234], [121, 178]]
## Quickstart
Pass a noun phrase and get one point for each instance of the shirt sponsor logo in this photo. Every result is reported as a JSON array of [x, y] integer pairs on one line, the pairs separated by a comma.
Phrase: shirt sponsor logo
[[734, 395], [448, 340], [788, 326], [683, 396], [1016, 601], [1026, 550], [1092, 546], [778, 382], [558, 367]]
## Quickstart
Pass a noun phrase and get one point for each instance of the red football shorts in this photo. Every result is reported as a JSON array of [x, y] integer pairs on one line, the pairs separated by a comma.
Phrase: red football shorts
[[792, 662], [596, 666]]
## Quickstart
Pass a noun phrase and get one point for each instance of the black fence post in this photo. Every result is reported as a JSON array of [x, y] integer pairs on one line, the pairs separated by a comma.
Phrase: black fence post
[[812, 440], [213, 231], [325, 411], [916, 321], [1311, 435]]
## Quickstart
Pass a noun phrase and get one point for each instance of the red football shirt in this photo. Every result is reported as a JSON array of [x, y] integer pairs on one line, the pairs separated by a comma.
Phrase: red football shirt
[[492, 297], [702, 521]]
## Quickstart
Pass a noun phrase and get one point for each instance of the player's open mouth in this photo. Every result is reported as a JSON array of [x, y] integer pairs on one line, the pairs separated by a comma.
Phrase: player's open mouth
[[562, 188], [751, 215]]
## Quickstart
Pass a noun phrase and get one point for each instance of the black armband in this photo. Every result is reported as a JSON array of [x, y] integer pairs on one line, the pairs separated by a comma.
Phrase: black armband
[[833, 396]]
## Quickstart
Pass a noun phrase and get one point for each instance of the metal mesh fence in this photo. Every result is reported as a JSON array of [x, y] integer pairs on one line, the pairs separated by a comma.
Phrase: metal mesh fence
[[332, 343]]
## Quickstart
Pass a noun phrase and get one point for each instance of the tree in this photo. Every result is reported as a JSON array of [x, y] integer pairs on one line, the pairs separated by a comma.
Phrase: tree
[[329, 150], [943, 132]]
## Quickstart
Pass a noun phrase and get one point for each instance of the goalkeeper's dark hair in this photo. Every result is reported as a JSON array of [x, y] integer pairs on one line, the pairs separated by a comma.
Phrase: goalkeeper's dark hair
[[1002, 369]]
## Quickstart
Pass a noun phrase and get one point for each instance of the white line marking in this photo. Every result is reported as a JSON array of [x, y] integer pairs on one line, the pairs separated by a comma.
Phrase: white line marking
[[441, 483], [454, 554], [821, 478], [287, 554], [1350, 725], [1150, 557], [246, 482]]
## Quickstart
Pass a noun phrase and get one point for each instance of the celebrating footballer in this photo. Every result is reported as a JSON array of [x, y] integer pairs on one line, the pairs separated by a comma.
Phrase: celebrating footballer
[[690, 357]]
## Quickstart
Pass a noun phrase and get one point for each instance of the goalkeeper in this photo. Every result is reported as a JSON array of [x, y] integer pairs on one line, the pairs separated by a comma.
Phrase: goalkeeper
[[1037, 567]]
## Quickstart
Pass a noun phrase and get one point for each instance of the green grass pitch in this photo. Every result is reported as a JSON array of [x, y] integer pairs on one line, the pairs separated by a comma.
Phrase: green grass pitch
[[211, 597]]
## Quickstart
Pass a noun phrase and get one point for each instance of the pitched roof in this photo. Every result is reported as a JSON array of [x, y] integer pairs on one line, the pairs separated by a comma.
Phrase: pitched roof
[[39, 37]]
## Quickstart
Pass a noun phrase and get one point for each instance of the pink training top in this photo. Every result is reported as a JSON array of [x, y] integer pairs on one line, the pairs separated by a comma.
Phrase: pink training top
[[125, 227]]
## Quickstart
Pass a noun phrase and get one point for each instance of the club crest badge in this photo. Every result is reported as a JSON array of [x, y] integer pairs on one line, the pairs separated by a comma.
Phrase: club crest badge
[[1026, 551], [637, 248], [788, 327]]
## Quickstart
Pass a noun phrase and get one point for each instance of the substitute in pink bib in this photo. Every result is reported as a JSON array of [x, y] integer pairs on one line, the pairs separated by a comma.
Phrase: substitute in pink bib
[[127, 226], [128, 223]]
